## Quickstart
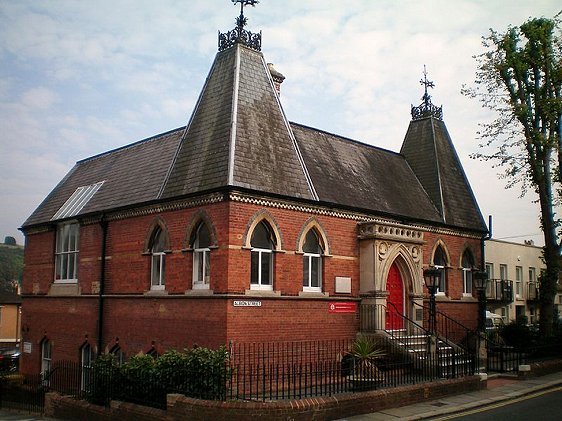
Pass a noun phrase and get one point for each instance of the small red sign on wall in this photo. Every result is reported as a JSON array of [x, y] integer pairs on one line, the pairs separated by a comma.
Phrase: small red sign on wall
[[342, 307]]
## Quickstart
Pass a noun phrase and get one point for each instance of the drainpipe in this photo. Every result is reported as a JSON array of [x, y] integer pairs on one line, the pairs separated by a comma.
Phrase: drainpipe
[[485, 237], [103, 224]]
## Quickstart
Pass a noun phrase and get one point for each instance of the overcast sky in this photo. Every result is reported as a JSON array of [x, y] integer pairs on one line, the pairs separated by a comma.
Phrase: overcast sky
[[78, 78]]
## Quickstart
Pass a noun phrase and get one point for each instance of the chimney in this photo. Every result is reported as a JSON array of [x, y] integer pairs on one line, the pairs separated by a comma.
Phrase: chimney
[[277, 77]]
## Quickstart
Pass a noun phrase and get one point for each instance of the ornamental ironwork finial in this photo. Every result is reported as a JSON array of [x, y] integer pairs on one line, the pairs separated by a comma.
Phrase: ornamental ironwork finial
[[239, 34], [426, 108]]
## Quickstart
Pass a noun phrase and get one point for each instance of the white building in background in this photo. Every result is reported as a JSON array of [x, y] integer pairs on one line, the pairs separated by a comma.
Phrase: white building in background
[[513, 270]]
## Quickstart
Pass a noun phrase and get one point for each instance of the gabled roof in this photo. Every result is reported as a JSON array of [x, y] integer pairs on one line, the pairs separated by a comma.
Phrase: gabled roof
[[429, 151], [238, 134]]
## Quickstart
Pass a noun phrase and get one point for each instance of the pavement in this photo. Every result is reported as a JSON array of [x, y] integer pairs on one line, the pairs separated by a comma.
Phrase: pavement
[[501, 389]]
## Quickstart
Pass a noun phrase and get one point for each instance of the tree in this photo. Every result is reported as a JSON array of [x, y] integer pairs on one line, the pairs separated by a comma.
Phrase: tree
[[9, 241], [519, 77]]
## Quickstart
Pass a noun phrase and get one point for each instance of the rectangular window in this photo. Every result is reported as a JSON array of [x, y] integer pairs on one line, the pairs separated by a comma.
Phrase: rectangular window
[[158, 266], [201, 268], [518, 281], [532, 275], [66, 252], [467, 281], [261, 269], [87, 359], [312, 272], [503, 272], [46, 361]]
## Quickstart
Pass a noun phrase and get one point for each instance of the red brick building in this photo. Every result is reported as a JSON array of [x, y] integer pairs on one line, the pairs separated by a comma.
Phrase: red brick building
[[243, 226]]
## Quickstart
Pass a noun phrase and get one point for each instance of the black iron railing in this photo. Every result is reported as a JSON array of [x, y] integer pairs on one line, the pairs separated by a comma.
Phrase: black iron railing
[[500, 290], [450, 330]]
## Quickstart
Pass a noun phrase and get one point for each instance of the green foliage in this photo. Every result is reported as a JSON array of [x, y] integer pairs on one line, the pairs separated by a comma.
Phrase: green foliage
[[365, 351], [11, 266], [198, 372], [518, 335], [10, 241], [519, 78]]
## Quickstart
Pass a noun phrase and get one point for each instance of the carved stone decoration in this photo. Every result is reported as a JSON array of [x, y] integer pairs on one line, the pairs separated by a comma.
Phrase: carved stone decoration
[[381, 246], [416, 253], [383, 250], [390, 231]]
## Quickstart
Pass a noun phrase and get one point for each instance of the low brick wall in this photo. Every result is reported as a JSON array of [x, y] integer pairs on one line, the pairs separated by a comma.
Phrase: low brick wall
[[317, 409], [540, 368], [67, 408]]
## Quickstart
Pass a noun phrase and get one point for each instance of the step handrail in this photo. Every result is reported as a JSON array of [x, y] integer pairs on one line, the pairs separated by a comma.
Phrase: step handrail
[[410, 324], [444, 335]]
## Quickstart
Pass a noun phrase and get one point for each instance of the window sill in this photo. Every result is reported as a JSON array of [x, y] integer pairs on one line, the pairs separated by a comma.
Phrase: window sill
[[313, 294], [262, 292], [199, 292], [64, 288], [156, 292]]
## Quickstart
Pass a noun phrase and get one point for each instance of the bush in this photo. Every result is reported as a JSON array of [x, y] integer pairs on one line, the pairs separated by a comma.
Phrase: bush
[[199, 372], [518, 335]]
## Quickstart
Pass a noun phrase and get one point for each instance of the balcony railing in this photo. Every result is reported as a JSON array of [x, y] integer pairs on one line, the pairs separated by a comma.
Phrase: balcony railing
[[533, 291], [500, 290]]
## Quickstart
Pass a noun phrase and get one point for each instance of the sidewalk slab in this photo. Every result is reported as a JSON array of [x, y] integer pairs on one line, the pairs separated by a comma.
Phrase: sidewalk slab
[[499, 390]]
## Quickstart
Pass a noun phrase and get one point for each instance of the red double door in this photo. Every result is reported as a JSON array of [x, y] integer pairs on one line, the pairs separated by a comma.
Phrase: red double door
[[395, 299]]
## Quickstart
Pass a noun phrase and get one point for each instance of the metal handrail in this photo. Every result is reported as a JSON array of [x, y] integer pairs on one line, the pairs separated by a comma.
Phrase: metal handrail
[[445, 333]]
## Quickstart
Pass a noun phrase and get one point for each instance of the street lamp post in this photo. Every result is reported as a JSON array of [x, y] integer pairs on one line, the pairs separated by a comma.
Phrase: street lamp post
[[431, 277], [480, 279]]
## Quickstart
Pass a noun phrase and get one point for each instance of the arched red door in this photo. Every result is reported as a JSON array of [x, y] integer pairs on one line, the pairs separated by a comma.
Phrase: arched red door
[[395, 299]]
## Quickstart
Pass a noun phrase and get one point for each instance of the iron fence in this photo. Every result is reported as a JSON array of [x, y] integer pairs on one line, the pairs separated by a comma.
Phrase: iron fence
[[255, 372]]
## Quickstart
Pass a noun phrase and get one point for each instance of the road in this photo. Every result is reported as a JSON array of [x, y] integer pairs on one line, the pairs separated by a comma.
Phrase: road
[[543, 406]]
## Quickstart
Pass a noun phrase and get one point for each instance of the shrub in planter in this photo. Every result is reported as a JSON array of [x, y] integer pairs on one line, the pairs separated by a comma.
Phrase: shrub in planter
[[363, 357]]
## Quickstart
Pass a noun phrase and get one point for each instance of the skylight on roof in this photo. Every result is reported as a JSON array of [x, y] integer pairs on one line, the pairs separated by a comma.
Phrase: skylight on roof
[[77, 201]]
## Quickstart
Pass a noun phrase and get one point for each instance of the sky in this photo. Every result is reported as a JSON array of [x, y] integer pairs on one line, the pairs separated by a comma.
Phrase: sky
[[78, 78]]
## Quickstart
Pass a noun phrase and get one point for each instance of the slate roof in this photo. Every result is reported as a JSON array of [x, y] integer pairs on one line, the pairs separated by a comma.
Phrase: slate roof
[[132, 174], [239, 137], [354, 174], [430, 153]]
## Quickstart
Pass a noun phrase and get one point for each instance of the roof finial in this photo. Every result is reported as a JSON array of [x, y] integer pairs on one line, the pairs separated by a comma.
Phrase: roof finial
[[428, 84], [239, 34], [426, 108]]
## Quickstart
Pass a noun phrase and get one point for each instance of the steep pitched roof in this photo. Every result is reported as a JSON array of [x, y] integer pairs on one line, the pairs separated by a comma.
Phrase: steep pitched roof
[[131, 175], [429, 151], [238, 134], [354, 174]]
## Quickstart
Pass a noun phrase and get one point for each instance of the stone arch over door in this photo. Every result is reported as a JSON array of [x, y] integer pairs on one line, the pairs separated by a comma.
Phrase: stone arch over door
[[406, 261]]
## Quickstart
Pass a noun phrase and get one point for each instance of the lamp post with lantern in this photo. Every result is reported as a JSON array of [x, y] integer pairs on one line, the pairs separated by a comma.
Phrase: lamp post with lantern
[[431, 277], [480, 280]]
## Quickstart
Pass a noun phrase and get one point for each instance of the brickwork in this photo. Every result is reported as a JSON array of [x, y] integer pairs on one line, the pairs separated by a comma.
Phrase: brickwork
[[322, 408], [138, 319]]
